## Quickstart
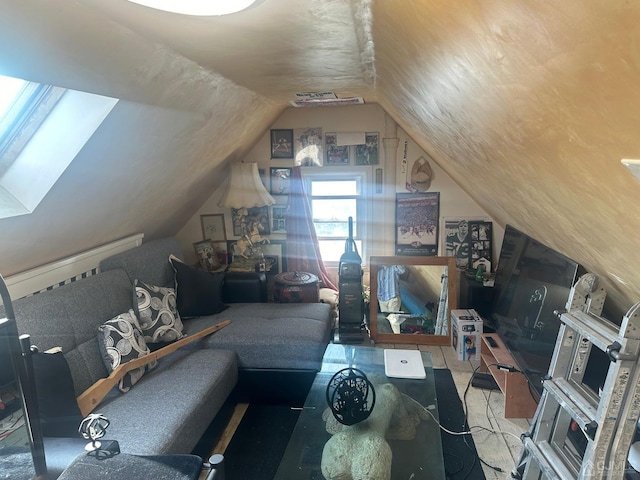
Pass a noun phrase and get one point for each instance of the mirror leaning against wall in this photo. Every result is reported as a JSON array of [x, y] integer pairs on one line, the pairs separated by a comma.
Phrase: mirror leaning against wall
[[411, 298]]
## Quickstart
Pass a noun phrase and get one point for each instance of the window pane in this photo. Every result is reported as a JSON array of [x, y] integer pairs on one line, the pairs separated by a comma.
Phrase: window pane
[[333, 209], [331, 217], [332, 250], [331, 188], [10, 88], [334, 229]]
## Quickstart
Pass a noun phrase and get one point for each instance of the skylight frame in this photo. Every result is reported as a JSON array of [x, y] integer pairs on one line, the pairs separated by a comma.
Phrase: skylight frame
[[22, 119]]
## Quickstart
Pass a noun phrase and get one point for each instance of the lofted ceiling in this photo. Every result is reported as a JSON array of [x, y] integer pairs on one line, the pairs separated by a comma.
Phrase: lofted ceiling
[[529, 106]]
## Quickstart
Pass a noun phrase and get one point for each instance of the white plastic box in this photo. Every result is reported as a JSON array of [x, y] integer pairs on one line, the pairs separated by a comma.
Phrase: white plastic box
[[466, 328]]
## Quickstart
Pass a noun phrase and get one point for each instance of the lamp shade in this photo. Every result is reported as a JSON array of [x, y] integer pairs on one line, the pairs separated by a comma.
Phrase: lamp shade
[[245, 189], [197, 7]]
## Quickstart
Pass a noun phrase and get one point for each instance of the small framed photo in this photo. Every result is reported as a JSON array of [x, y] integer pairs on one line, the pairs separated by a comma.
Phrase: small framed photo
[[336, 155], [368, 154], [253, 221], [480, 245], [280, 178], [308, 147], [207, 257], [220, 248], [213, 227], [278, 218], [282, 143]]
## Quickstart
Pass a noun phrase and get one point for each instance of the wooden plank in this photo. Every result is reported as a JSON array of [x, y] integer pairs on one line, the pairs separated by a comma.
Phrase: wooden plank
[[437, 358], [93, 395], [226, 436]]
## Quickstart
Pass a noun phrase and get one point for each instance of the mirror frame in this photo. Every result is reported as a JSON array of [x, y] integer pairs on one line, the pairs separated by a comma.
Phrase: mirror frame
[[416, 339]]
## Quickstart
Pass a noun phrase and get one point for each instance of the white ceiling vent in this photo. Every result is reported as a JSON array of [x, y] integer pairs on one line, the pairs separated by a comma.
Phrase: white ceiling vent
[[323, 99]]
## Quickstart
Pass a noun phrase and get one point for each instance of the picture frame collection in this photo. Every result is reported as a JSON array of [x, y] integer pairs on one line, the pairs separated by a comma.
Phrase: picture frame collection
[[309, 147]]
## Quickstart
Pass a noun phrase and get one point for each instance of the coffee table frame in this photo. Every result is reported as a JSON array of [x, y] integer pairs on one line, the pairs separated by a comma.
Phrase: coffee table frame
[[421, 457]]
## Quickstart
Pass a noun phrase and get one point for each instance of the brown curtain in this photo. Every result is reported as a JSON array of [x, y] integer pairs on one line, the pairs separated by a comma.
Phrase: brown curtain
[[303, 252]]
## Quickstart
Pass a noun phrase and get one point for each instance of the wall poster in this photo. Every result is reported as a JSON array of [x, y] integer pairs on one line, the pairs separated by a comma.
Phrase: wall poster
[[458, 241], [417, 217]]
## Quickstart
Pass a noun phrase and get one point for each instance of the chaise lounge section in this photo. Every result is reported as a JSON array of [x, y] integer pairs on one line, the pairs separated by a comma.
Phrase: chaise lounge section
[[265, 347]]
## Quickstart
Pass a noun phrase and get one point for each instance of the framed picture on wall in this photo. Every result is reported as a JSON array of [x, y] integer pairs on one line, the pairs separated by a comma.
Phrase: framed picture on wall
[[220, 248], [213, 227], [368, 153], [336, 155], [207, 257], [252, 221], [456, 239], [280, 178], [481, 245], [417, 217], [308, 147], [282, 143], [278, 218]]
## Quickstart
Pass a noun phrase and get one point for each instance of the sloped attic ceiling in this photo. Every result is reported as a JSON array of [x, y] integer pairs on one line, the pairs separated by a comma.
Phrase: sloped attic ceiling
[[528, 105]]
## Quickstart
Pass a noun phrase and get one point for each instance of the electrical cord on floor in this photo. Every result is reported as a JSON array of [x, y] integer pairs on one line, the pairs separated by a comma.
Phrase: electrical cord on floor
[[469, 430], [500, 366], [463, 433]]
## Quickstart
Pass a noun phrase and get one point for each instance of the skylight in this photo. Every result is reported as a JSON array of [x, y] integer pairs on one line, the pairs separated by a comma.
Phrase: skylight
[[42, 129]]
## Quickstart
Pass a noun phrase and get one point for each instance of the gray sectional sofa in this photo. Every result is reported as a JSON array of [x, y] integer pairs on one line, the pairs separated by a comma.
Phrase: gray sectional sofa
[[267, 347]]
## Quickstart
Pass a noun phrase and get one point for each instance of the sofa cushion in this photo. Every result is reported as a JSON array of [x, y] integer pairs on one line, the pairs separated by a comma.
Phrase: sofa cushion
[[157, 313], [199, 292], [69, 316], [175, 402], [289, 336], [121, 340]]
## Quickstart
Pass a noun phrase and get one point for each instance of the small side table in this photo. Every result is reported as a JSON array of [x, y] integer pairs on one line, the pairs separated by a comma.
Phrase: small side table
[[475, 295], [247, 287]]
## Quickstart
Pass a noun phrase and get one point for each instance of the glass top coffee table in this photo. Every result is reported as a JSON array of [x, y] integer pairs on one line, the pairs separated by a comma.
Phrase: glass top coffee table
[[418, 458]]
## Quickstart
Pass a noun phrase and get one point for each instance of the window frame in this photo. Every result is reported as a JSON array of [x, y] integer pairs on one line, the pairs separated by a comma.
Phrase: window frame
[[361, 212]]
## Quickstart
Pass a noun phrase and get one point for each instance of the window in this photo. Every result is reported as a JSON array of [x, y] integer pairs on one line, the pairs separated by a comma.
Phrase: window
[[333, 201]]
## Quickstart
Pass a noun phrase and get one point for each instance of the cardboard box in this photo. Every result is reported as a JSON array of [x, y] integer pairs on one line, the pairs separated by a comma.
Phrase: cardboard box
[[466, 329]]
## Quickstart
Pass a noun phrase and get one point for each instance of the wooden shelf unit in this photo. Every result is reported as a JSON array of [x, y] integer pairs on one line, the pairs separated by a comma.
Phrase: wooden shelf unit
[[518, 399]]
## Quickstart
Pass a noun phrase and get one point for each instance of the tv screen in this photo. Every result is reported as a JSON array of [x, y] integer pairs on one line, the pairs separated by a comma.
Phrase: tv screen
[[532, 281]]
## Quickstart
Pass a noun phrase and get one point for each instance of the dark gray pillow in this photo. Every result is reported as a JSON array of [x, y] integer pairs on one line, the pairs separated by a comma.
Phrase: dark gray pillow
[[199, 292], [120, 340], [157, 313]]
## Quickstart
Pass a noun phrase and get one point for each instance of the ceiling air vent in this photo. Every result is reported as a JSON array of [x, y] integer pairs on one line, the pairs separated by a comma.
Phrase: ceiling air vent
[[323, 99]]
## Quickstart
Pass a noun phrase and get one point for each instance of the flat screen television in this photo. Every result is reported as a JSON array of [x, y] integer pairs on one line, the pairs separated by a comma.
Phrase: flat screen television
[[531, 282]]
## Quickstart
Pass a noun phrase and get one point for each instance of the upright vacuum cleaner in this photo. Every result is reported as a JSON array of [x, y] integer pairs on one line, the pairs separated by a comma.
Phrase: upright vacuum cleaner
[[350, 299]]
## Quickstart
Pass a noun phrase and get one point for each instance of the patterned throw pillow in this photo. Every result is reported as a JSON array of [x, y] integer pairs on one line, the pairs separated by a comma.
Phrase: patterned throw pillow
[[157, 312], [120, 340]]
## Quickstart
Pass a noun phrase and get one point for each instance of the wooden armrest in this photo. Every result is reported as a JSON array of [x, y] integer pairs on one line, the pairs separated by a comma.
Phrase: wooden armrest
[[93, 395]]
